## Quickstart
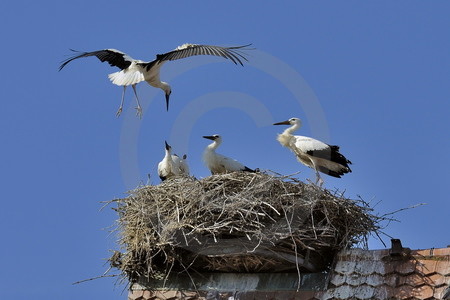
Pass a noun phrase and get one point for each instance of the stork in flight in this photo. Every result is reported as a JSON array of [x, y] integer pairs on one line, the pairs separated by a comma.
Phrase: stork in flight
[[313, 153], [172, 165], [133, 71], [218, 163]]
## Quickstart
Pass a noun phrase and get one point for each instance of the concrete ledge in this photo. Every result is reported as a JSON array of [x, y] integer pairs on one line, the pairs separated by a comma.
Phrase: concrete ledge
[[231, 282]]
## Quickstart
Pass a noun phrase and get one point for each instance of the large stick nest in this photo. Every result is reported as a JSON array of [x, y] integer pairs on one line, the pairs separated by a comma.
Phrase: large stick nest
[[237, 222]]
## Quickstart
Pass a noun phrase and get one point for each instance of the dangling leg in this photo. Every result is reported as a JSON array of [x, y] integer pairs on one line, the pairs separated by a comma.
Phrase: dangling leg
[[119, 111], [139, 109]]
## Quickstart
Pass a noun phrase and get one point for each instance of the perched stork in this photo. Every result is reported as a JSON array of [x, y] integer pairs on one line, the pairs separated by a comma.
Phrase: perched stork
[[313, 153], [218, 163], [133, 71], [172, 165]]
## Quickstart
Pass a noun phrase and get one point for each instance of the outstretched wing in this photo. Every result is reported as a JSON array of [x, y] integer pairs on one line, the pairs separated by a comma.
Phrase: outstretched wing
[[235, 53], [114, 57]]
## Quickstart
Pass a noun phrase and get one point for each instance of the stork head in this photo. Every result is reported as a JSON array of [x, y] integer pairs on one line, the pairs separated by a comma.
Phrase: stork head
[[167, 90], [291, 121], [217, 138], [168, 148]]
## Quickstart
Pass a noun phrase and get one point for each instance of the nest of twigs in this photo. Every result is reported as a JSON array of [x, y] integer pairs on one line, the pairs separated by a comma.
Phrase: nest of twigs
[[237, 222]]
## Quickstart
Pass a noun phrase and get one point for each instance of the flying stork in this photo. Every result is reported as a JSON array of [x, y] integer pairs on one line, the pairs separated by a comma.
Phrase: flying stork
[[218, 163], [313, 153], [132, 71], [172, 165]]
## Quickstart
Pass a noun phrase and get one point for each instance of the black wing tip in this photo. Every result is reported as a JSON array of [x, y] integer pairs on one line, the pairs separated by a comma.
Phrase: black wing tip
[[338, 157], [337, 174], [227, 47], [247, 169], [232, 52], [65, 62], [334, 174], [241, 55], [242, 47]]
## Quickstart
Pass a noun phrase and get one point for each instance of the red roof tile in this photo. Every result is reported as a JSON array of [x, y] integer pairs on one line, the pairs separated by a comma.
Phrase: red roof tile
[[360, 274]]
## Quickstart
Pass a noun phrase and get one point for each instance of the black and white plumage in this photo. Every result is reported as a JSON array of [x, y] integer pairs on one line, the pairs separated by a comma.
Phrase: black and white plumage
[[218, 163], [172, 165], [133, 71], [313, 153]]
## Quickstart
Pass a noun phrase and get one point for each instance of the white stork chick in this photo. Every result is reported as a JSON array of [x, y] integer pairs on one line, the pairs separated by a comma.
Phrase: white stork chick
[[180, 164], [218, 163], [172, 165], [132, 71], [313, 153]]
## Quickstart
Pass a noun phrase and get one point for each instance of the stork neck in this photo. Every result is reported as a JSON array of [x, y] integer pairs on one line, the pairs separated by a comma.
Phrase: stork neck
[[167, 156], [214, 145], [292, 129], [159, 84]]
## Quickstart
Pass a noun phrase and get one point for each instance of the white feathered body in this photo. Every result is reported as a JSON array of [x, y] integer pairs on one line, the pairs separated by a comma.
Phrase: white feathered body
[[131, 75], [219, 164], [300, 145]]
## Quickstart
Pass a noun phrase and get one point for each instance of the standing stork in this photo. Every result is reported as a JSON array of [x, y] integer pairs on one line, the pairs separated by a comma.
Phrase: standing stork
[[172, 165], [132, 71], [218, 163], [313, 153]]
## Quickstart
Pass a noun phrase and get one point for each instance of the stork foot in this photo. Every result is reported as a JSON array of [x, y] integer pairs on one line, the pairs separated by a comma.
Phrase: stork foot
[[139, 112], [119, 111]]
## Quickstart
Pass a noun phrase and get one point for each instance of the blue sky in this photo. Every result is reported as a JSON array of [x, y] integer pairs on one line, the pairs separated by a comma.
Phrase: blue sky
[[372, 77]]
